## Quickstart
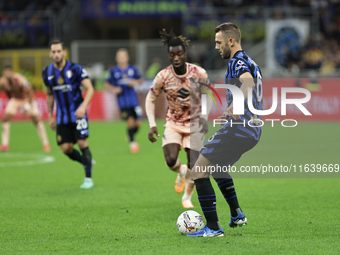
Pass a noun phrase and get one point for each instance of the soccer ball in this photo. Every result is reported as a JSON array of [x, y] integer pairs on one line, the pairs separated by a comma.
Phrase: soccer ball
[[189, 222]]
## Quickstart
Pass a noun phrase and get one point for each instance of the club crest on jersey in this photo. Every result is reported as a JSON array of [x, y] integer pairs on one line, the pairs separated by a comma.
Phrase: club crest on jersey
[[69, 74], [60, 80], [131, 72]]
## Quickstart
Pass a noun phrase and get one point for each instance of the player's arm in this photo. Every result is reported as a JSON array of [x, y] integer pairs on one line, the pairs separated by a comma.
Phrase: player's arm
[[80, 113], [4, 86], [247, 81], [50, 105], [150, 113], [113, 89], [135, 82], [204, 117]]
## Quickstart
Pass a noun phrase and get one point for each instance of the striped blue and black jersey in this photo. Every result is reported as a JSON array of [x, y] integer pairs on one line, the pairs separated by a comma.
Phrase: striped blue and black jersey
[[239, 64], [119, 78], [66, 89]]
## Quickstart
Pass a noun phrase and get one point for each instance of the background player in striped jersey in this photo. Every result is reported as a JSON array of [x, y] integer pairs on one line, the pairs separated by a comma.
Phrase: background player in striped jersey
[[228, 144], [122, 78], [182, 128], [63, 80], [21, 95]]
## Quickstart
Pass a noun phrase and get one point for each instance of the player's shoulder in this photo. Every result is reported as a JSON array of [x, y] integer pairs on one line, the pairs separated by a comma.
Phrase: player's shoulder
[[46, 67], [164, 73], [72, 65], [3, 81], [196, 70], [19, 76]]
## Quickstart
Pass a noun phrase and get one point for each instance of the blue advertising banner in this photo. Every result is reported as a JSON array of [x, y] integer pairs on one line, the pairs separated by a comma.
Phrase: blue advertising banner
[[24, 35], [133, 8]]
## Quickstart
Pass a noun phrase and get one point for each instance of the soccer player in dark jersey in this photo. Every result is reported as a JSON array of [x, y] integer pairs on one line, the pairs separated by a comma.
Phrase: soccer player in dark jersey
[[63, 80], [228, 144], [122, 79]]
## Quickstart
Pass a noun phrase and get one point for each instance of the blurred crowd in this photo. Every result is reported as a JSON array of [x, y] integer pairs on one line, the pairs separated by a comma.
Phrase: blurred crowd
[[16, 11]]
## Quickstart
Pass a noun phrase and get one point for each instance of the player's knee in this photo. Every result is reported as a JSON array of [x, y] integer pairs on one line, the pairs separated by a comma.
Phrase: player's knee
[[171, 160], [66, 149]]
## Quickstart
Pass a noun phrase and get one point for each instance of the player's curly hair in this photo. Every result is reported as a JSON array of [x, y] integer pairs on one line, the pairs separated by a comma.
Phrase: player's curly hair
[[170, 39]]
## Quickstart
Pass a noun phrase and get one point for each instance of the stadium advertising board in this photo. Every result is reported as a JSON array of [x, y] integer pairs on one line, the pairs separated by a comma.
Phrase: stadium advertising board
[[133, 8], [324, 104]]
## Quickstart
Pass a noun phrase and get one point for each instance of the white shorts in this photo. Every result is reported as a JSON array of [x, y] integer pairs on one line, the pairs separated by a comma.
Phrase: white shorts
[[186, 137]]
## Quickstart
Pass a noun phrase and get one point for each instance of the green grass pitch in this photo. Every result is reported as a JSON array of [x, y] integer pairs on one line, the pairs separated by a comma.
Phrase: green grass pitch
[[133, 207]]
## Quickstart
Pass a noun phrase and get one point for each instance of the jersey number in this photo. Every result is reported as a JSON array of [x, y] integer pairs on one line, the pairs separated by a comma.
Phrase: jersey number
[[81, 124]]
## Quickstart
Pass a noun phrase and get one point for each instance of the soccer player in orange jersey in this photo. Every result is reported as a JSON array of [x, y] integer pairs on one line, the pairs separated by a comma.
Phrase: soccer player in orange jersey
[[21, 95], [184, 127]]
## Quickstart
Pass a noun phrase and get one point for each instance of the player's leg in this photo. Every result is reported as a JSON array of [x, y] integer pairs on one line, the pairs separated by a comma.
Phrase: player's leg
[[137, 116], [206, 197], [66, 140], [5, 133], [189, 182], [81, 134], [87, 163], [171, 143], [11, 109], [132, 129], [237, 147], [34, 113], [171, 151]]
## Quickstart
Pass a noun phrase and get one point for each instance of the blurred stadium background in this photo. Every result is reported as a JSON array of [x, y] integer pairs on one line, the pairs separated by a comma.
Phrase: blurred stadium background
[[297, 40]]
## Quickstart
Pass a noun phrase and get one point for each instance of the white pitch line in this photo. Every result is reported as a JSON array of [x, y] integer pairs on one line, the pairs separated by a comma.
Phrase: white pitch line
[[33, 159]]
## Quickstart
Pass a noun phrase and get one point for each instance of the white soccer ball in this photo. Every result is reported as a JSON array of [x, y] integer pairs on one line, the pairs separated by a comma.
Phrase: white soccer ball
[[189, 222]]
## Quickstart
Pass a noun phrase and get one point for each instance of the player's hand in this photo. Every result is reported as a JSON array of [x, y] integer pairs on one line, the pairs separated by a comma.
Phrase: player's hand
[[152, 132], [230, 112], [80, 112], [223, 117], [52, 123], [118, 90], [132, 83], [203, 123]]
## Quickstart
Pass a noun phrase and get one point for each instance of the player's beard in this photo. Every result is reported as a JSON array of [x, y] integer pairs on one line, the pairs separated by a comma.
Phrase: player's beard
[[58, 63], [226, 53]]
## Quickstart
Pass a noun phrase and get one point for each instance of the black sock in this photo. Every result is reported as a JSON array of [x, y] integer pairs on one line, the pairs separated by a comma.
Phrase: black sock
[[207, 199], [226, 186], [131, 134], [135, 130], [75, 155], [87, 161]]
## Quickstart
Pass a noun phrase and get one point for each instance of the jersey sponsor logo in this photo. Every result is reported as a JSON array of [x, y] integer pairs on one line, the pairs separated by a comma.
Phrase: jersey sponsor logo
[[63, 88], [183, 93]]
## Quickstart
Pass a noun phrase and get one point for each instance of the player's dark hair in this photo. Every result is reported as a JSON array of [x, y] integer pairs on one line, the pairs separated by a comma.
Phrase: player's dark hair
[[170, 39], [7, 67], [58, 42], [230, 29]]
